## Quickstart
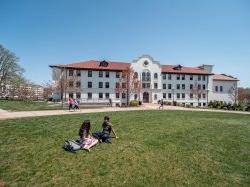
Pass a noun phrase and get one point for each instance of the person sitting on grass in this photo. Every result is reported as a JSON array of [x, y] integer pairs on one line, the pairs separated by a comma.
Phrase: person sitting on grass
[[107, 128], [86, 140]]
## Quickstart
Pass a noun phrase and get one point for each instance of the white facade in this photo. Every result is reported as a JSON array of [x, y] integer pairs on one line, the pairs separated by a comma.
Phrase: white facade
[[89, 86]]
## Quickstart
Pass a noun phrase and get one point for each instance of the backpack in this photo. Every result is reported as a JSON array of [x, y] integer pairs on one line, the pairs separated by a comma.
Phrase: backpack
[[72, 146]]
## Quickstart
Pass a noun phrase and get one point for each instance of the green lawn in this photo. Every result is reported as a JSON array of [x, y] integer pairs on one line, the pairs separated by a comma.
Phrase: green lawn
[[155, 148], [11, 105]]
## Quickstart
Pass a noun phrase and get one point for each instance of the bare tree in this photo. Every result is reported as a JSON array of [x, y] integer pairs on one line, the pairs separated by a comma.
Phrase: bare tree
[[128, 83], [197, 91], [48, 89], [9, 68], [233, 93]]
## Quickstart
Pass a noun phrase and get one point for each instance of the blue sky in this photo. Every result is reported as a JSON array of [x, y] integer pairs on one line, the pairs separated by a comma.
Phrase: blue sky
[[43, 32]]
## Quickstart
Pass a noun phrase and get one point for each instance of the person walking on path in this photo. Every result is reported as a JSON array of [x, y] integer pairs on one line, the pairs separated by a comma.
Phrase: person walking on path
[[161, 104], [71, 103]]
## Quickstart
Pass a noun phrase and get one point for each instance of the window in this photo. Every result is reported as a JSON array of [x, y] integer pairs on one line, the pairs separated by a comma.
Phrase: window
[[192, 104], [191, 77], [100, 84], [183, 77], [199, 86], [107, 95], [78, 95], [117, 95], [204, 87], [199, 104], [178, 77], [89, 95], [191, 86], [216, 88], [117, 85], [124, 95], [164, 86], [71, 83], [107, 74], [155, 76], [123, 85], [164, 77], [183, 96], [204, 96], [169, 76], [178, 86], [199, 77], [221, 88], [135, 97], [145, 85], [183, 86], [178, 96], [71, 94], [71, 72], [155, 96], [155, 85], [199, 96], [89, 73], [89, 84], [100, 95], [78, 73], [191, 96], [100, 74], [164, 95], [204, 104], [78, 84], [106, 84], [117, 75], [169, 95], [203, 77], [135, 75], [169, 86], [148, 76]]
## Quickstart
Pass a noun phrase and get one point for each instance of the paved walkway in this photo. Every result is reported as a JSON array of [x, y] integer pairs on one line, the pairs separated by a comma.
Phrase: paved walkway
[[11, 115]]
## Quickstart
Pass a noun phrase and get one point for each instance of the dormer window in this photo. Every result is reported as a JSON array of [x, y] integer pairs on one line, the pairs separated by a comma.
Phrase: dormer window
[[178, 67], [103, 63]]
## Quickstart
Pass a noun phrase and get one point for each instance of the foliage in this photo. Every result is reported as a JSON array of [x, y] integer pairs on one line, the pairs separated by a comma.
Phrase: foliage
[[134, 103], [9, 69], [155, 148]]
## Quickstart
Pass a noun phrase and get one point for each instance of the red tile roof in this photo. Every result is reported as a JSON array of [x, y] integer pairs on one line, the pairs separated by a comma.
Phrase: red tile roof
[[183, 70], [95, 65], [223, 77]]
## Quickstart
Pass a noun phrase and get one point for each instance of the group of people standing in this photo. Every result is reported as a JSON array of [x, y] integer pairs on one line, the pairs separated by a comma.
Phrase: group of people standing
[[73, 104], [88, 141]]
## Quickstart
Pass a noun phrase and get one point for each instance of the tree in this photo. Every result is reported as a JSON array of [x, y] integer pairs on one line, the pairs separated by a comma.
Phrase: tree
[[9, 68], [48, 90], [128, 83], [243, 95], [197, 91], [233, 93]]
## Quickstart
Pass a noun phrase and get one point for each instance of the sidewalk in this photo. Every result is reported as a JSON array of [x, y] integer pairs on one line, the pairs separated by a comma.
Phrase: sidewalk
[[11, 115]]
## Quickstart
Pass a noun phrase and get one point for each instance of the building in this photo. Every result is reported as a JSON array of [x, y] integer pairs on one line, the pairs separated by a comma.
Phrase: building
[[96, 81]]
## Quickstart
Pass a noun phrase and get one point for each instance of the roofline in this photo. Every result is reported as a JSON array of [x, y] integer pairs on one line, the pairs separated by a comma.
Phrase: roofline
[[94, 69], [225, 80]]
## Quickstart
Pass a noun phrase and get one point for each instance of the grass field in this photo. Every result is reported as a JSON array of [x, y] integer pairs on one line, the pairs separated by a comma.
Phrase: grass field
[[155, 148], [28, 105]]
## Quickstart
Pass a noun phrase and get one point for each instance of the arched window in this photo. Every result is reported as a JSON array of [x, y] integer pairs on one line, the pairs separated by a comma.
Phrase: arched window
[[143, 76], [156, 76], [135, 97], [148, 78], [135, 75]]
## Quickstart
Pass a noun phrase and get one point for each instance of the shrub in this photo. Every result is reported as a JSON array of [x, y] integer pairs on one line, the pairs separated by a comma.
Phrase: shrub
[[174, 103], [134, 103], [188, 106]]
